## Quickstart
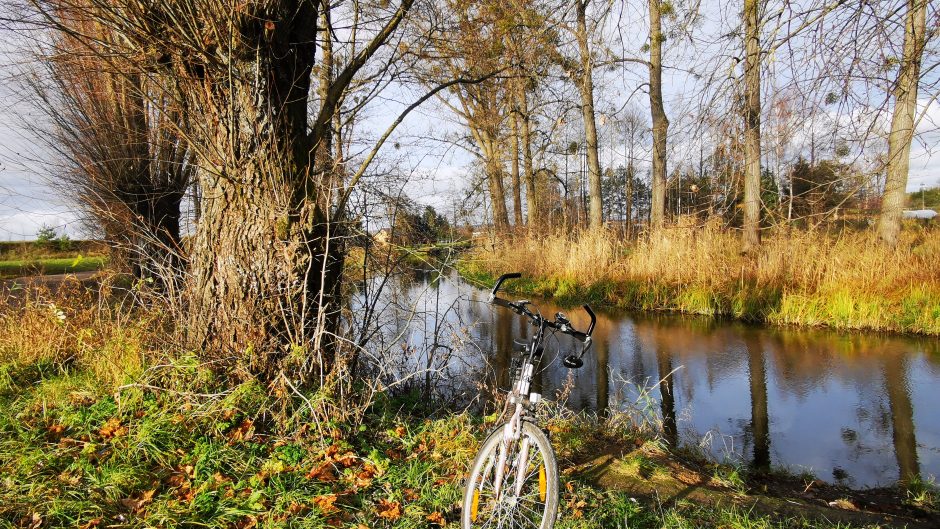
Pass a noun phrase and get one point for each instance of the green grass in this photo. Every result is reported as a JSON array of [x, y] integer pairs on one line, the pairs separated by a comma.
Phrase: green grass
[[84, 444], [74, 454], [50, 266]]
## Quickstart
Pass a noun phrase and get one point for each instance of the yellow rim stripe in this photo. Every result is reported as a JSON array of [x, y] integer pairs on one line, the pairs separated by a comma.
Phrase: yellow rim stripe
[[473, 506], [543, 483]]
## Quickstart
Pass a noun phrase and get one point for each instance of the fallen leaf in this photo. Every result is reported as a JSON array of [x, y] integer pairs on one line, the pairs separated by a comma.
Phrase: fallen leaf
[[325, 502], [112, 428], [138, 502], [390, 510], [347, 459], [242, 432], [55, 430], [322, 472], [437, 518], [90, 524]]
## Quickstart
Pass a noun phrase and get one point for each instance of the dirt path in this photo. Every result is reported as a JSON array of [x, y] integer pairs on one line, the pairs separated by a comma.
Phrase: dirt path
[[653, 474], [53, 281]]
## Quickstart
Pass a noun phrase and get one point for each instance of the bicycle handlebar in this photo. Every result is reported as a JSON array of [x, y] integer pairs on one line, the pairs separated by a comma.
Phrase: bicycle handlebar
[[564, 326]]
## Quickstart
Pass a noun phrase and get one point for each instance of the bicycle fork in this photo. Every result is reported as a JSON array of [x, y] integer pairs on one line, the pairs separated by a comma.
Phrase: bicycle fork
[[513, 432]]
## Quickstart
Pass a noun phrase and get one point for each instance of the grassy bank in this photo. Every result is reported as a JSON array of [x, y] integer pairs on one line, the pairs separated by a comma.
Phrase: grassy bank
[[846, 281], [31, 258], [51, 265], [103, 425]]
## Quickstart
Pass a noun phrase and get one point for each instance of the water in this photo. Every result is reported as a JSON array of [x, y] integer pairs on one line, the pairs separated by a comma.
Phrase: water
[[853, 408]]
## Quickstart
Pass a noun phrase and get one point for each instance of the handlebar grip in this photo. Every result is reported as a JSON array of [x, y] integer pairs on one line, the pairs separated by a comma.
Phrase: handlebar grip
[[587, 308], [499, 282]]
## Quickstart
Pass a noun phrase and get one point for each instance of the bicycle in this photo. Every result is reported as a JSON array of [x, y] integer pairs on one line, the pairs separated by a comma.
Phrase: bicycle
[[513, 480]]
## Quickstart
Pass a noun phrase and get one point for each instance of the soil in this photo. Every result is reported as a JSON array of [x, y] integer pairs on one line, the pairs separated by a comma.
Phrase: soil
[[653, 474]]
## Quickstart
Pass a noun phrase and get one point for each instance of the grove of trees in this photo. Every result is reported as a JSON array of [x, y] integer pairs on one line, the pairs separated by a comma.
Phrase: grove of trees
[[268, 124]]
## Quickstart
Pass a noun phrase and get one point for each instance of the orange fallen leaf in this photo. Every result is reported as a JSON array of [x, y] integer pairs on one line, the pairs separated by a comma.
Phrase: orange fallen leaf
[[347, 459], [322, 472], [112, 428], [56, 429], [325, 502], [437, 518], [90, 524], [241, 432], [390, 510], [139, 501]]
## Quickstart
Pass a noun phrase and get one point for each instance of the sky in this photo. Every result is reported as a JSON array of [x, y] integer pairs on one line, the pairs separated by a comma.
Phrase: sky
[[439, 169]]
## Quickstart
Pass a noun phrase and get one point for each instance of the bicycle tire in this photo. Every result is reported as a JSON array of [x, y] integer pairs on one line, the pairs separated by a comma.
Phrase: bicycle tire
[[471, 518]]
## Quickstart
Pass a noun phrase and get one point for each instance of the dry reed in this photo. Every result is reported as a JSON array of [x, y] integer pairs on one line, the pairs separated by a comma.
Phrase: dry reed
[[845, 280]]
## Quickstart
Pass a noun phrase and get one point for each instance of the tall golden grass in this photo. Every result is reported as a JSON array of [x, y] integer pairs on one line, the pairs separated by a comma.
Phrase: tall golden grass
[[844, 280], [69, 326]]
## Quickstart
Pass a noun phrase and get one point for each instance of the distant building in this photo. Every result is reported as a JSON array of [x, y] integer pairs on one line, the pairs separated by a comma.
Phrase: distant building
[[925, 214], [383, 236]]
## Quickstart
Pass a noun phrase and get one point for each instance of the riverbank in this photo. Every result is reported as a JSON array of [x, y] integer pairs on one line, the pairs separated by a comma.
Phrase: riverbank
[[844, 281], [102, 424]]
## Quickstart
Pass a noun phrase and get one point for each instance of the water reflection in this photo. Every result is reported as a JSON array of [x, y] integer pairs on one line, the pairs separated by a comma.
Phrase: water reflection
[[760, 422], [902, 418], [850, 407]]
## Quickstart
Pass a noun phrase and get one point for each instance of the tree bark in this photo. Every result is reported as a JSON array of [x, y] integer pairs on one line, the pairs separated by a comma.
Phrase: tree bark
[[586, 87], [267, 260], [660, 121], [750, 241], [628, 205], [494, 178], [902, 123], [516, 184], [531, 190]]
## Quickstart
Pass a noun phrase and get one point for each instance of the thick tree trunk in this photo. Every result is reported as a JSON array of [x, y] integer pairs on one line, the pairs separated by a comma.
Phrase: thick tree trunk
[[902, 123], [586, 87], [660, 121], [266, 263], [751, 233], [516, 184]]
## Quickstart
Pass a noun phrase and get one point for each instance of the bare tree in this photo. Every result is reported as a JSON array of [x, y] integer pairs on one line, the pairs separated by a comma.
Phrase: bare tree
[[124, 165], [585, 83], [752, 103], [660, 121], [266, 259], [903, 122]]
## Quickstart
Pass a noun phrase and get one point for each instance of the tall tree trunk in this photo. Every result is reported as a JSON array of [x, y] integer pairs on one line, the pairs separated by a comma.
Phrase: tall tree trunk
[[660, 121], [516, 184], [751, 234], [628, 205], [586, 87], [531, 189], [902, 123]]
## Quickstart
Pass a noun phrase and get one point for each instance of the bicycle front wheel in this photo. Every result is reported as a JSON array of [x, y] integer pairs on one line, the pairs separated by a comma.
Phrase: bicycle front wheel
[[524, 494]]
